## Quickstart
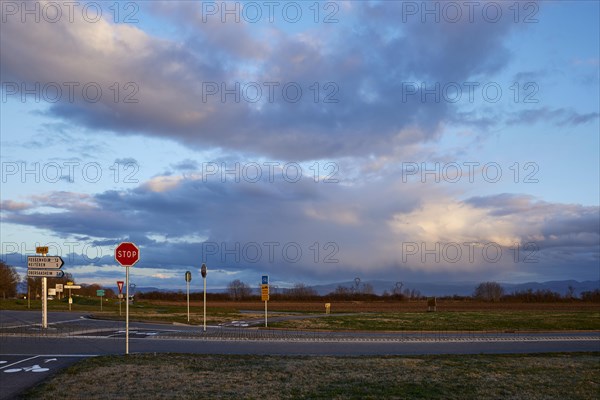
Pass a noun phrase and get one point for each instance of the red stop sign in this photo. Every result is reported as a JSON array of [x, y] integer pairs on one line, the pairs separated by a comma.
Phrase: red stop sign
[[127, 254]]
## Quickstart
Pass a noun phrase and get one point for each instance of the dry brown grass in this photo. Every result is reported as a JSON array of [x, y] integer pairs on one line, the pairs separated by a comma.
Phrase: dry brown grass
[[382, 306], [278, 377]]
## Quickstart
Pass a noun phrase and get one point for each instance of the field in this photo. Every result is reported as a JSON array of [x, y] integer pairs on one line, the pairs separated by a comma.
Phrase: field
[[394, 316], [557, 376]]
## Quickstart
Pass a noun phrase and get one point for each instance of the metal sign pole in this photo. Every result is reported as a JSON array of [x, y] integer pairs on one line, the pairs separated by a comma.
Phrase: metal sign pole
[[100, 303], [70, 299], [204, 303], [265, 313], [44, 303], [188, 299], [127, 311]]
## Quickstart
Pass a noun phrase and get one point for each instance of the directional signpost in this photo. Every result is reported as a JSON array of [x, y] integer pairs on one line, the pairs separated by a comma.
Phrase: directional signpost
[[264, 289], [71, 286], [43, 266], [127, 254], [100, 292]]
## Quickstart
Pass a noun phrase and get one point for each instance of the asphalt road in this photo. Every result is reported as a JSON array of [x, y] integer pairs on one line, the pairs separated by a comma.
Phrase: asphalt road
[[31, 354]]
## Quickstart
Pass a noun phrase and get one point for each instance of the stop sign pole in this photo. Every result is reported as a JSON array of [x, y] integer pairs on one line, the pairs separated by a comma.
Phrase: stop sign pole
[[127, 254]]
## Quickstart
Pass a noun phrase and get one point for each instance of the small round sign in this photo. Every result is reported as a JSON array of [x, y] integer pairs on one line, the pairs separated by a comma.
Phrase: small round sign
[[203, 270], [188, 276]]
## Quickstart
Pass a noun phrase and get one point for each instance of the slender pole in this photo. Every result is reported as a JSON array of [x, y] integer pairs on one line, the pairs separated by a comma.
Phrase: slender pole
[[127, 311], [188, 299], [44, 303], [120, 301], [100, 303], [265, 313], [70, 299], [28, 296], [204, 303]]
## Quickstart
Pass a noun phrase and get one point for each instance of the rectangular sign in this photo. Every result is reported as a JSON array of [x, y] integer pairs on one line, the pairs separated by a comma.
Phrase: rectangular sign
[[265, 279], [41, 250], [51, 292], [264, 291], [100, 292], [59, 287], [40, 262], [72, 287], [46, 272]]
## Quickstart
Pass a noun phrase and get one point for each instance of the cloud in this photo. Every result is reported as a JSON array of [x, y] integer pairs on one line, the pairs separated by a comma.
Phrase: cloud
[[361, 70], [325, 231], [560, 116]]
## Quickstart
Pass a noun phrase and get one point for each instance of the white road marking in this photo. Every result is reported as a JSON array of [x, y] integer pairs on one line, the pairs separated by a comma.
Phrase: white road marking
[[15, 363]]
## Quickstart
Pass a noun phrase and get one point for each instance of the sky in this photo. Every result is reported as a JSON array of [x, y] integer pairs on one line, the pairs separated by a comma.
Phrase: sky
[[313, 142]]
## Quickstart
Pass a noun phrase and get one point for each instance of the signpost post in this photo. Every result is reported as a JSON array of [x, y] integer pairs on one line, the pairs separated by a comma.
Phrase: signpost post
[[44, 266], [265, 293], [188, 278], [120, 286], [59, 289], [100, 293], [127, 254], [203, 273], [70, 286]]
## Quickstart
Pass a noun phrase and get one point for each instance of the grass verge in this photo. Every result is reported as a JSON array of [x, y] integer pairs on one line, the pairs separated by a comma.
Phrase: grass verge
[[143, 376], [453, 321]]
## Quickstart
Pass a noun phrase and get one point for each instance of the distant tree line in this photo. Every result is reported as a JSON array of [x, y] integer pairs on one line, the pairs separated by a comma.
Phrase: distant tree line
[[239, 291]]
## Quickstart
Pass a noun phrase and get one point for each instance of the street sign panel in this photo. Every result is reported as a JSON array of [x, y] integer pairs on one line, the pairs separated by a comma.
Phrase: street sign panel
[[40, 262], [188, 276], [203, 270], [120, 286], [41, 250], [59, 287], [51, 292], [264, 290], [52, 273], [265, 279], [100, 292], [127, 254], [72, 287]]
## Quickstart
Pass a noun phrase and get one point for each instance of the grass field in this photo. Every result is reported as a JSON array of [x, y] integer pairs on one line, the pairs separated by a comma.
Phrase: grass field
[[454, 321], [393, 316], [549, 376]]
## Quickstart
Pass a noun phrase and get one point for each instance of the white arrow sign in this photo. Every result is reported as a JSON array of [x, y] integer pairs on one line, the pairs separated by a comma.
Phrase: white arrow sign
[[52, 273], [37, 262]]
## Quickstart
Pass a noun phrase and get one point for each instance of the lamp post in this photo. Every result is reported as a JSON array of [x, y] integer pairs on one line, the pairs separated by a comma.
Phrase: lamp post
[[188, 278], [203, 272]]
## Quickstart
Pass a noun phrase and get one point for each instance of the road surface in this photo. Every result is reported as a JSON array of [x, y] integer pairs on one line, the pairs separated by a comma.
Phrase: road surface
[[29, 354]]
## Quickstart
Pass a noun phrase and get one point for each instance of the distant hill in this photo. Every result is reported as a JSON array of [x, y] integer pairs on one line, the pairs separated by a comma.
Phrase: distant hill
[[426, 288], [464, 288]]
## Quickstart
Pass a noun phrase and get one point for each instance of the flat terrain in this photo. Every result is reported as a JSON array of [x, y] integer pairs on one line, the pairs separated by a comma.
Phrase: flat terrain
[[348, 315], [529, 377]]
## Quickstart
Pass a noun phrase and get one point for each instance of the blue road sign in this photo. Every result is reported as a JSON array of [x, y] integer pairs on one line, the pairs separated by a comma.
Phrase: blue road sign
[[265, 279]]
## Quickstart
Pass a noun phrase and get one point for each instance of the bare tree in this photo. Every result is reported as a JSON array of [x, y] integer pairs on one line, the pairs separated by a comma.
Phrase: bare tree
[[368, 289], [489, 291], [8, 280], [301, 291], [239, 290]]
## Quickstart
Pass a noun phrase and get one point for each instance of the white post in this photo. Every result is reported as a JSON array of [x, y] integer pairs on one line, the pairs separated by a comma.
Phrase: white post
[[127, 311], [44, 302], [188, 299], [70, 299], [265, 314], [100, 303], [204, 303]]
